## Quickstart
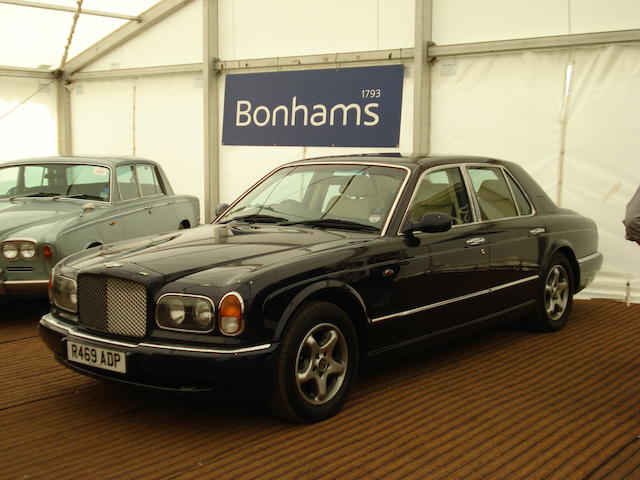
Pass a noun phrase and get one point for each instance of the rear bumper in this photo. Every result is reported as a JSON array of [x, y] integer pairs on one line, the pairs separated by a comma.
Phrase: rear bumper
[[163, 366], [589, 267]]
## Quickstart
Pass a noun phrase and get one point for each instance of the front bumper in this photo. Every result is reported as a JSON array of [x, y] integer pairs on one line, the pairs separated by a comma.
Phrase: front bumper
[[164, 366], [24, 288]]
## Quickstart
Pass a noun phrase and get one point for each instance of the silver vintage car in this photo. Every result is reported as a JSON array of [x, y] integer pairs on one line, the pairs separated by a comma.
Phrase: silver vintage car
[[53, 207]]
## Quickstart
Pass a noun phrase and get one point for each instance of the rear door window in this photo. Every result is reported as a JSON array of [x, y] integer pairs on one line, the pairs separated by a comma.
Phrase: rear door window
[[148, 178], [493, 194], [127, 182]]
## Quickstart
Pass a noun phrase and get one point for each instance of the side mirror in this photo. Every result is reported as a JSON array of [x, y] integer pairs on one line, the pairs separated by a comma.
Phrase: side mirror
[[430, 223], [87, 207], [220, 209]]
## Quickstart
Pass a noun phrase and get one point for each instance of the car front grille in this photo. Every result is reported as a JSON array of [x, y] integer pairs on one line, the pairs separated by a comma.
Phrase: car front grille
[[112, 305]]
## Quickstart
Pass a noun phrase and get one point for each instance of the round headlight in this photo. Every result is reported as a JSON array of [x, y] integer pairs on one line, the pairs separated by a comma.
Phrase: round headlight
[[176, 311], [10, 250], [27, 250], [203, 314]]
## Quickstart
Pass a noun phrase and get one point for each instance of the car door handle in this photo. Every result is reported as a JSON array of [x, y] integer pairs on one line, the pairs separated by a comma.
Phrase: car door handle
[[477, 241], [537, 231]]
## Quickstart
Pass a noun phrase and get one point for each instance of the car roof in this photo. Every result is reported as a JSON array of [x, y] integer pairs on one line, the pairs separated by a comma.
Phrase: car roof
[[91, 160], [400, 160]]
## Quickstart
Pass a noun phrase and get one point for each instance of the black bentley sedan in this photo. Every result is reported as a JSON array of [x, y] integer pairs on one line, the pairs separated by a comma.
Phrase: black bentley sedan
[[319, 266]]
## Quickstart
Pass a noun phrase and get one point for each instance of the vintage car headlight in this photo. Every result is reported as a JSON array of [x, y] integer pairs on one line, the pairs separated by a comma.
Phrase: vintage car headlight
[[231, 316], [27, 250], [10, 250], [185, 313], [64, 292]]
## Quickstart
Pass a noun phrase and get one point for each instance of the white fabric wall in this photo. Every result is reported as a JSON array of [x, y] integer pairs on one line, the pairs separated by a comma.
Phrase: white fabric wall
[[511, 106], [279, 28], [465, 21], [30, 129], [176, 40], [159, 118]]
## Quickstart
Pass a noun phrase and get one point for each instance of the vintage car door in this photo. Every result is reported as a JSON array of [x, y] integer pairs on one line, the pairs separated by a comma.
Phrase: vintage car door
[[514, 233], [140, 215], [439, 275], [162, 205]]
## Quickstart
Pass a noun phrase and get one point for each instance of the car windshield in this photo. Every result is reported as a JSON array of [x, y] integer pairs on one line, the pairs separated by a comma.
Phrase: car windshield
[[88, 182], [357, 197]]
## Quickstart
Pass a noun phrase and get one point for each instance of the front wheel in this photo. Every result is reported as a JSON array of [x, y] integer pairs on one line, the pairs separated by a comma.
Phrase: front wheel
[[555, 296], [317, 364]]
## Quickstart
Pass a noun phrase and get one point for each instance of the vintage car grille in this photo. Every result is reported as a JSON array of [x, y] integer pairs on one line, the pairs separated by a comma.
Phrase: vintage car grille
[[112, 305], [19, 269]]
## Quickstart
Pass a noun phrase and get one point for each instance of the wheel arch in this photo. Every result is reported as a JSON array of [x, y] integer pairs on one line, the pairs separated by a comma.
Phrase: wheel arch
[[566, 249], [337, 293]]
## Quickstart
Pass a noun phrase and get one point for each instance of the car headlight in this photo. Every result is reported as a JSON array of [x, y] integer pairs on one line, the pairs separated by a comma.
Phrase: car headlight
[[231, 314], [64, 292], [10, 250], [27, 250], [185, 313]]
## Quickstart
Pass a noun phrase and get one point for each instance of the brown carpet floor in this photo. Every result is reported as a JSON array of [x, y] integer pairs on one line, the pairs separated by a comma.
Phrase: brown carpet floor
[[504, 404]]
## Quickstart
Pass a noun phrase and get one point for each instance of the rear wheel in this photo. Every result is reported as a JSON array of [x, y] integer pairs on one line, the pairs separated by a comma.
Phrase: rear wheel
[[555, 297], [317, 364]]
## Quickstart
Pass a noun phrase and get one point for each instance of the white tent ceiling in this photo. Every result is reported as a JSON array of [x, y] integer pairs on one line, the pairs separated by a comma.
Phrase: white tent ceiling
[[36, 37]]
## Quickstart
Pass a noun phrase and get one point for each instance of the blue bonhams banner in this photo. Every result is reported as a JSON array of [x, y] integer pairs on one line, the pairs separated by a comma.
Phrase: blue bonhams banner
[[350, 107]]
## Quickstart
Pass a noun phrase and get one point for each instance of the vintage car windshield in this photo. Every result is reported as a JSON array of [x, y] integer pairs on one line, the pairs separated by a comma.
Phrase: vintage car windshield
[[88, 182], [334, 196]]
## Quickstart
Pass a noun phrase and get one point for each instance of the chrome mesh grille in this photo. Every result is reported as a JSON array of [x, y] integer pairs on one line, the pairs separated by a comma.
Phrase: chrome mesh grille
[[112, 305]]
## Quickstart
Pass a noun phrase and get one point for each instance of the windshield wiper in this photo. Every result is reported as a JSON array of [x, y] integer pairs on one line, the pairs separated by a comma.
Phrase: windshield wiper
[[80, 195], [37, 194], [257, 218], [334, 223]]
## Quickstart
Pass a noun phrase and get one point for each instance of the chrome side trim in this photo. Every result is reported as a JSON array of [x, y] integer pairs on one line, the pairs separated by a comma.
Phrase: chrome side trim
[[589, 257], [50, 321], [454, 300]]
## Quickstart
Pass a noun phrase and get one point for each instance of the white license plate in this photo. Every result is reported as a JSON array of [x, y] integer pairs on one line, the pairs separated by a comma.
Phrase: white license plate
[[96, 357]]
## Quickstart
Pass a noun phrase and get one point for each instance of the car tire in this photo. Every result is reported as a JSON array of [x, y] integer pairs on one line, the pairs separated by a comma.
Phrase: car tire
[[555, 296], [316, 365]]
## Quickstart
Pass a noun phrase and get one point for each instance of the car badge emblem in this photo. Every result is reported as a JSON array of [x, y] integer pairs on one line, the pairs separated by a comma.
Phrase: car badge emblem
[[112, 264]]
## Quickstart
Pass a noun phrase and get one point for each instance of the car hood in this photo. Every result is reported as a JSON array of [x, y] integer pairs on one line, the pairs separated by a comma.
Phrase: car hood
[[30, 217], [186, 252]]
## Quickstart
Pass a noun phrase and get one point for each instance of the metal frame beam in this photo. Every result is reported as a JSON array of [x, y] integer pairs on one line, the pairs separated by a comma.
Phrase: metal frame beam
[[304, 61], [537, 43], [210, 108], [6, 71], [137, 72], [62, 8], [422, 78], [125, 33]]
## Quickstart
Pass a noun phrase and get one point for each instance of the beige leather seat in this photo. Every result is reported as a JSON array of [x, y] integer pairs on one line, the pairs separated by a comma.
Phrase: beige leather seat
[[495, 200], [357, 200]]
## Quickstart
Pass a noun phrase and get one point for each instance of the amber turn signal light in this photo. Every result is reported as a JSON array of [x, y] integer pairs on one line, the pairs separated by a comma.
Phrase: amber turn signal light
[[231, 311]]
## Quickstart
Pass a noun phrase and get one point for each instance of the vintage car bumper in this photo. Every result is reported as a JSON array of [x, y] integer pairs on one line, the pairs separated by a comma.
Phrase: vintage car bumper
[[589, 267], [163, 366], [24, 288]]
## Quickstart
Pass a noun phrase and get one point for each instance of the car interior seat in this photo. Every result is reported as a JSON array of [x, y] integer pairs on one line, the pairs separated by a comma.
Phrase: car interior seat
[[495, 200]]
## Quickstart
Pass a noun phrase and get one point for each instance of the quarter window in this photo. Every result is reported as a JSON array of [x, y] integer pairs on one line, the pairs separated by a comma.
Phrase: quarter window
[[442, 191], [523, 204], [492, 192], [127, 182]]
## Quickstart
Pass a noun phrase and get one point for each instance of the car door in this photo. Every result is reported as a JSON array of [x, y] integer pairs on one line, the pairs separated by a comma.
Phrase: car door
[[439, 274], [138, 215], [513, 232], [162, 206]]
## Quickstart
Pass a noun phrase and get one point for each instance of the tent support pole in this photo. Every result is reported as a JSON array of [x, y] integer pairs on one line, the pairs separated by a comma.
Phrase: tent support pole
[[210, 110], [422, 78]]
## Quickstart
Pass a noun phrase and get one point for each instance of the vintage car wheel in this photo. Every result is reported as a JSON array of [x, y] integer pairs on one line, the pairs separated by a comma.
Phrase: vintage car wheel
[[555, 297], [317, 364]]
